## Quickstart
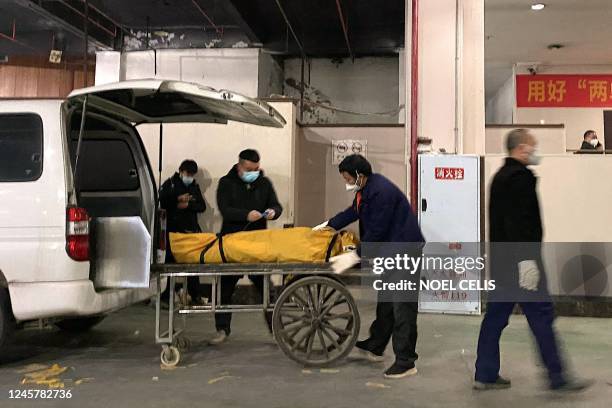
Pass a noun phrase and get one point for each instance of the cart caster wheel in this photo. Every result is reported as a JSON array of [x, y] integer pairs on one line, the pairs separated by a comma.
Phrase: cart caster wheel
[[170, 356], [183, 343]]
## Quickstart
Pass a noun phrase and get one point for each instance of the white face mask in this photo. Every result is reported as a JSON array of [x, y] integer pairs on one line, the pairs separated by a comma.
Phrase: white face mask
[[353, 187], [534, 158], [594, 142]]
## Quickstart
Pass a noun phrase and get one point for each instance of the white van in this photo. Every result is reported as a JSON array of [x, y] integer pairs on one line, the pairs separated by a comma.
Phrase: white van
[[78, 200]]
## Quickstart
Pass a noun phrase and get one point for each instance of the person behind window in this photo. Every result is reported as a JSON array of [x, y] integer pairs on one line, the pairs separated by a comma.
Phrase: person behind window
[[591, 142]]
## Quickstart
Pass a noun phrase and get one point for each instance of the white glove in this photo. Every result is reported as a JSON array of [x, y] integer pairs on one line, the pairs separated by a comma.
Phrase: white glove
[[529, 275], [321, 226], [345, 261]]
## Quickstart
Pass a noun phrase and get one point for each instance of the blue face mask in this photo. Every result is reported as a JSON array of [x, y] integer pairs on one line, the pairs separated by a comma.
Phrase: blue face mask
[[249, 176], [187, 180]]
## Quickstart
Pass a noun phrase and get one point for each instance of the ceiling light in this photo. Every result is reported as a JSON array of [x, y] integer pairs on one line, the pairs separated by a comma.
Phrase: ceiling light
[[538, 6]]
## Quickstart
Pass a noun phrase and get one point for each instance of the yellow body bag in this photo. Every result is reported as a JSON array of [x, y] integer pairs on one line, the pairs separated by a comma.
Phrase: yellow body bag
[[289, 245]]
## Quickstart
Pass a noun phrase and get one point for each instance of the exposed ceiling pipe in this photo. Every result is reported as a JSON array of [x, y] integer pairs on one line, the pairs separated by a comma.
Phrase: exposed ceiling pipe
[[82, 14], [414, 105], [13, 37], [218, 29], [295, 37], [344, 28], [36, 8], [85, 43]]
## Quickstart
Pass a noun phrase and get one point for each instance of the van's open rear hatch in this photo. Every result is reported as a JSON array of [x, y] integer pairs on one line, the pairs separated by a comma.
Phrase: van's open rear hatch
[[160, 101], [112, 174]]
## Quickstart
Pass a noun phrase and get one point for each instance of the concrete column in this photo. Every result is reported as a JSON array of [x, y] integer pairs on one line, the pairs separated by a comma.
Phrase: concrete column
[[451, 74], [472, 78]]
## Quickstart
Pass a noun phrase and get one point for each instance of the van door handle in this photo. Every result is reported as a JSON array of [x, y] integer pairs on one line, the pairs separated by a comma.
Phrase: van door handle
[[133, 173], [423, 205]]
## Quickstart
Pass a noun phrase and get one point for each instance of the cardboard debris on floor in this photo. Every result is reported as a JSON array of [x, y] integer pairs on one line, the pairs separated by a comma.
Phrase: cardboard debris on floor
[[49, 376], [377, 385]]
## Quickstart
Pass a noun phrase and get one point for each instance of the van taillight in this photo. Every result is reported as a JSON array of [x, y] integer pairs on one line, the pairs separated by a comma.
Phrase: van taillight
[[77, 233]]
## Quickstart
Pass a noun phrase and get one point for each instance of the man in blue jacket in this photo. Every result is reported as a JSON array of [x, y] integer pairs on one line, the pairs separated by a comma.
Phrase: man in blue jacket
[[384, 215]]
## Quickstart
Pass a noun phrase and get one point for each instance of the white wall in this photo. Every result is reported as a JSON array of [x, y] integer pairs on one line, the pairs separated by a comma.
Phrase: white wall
[[216, 147], [437, 72], [450, 59], [576, 120], [500, 108], [321, 191], [551, 139], [575, 217], [368, 85], [246, 70], [564, 200]]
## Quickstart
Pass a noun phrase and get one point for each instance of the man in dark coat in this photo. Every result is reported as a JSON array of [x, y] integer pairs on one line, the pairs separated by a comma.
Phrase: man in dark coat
[[590, 141], [182, 199], [247, 201], [517, 268], [384, 216]]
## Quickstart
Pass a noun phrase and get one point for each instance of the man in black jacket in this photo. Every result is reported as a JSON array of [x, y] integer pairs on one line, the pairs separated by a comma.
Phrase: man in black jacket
[[517, 268], [246, 200], [182, 199], [590, 141]]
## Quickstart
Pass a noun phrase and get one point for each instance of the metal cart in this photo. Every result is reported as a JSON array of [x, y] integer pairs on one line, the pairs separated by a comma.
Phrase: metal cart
[[315, 319]]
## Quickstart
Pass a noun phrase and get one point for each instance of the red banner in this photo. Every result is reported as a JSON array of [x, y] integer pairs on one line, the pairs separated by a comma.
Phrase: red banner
[[564, 91]]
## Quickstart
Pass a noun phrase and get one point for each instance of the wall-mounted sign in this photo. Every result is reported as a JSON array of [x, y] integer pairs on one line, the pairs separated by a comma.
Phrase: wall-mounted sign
[[343, 148], [449, 173], [564, 91]]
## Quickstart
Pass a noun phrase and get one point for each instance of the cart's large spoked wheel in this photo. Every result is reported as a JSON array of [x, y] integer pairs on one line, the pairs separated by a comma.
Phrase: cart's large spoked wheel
[[316, 321]]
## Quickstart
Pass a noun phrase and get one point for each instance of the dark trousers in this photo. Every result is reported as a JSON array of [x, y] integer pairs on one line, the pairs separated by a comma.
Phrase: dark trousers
[[540, 316], [397, 321], [223, 321]]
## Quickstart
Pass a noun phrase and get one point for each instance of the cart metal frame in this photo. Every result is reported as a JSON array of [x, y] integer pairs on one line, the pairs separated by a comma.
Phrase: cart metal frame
[[304, 307]]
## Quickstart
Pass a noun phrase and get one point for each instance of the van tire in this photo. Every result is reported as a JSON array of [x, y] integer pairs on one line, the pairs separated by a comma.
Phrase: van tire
[[79, 325], [7, 321]]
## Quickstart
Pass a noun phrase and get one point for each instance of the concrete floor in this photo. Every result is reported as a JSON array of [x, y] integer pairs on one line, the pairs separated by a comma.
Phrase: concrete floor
[[118, 365]]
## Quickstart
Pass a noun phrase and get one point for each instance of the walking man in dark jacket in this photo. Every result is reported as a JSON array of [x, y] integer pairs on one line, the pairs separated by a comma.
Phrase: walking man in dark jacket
[[517, 268], [247, 201], [182, 199], [384, 215]]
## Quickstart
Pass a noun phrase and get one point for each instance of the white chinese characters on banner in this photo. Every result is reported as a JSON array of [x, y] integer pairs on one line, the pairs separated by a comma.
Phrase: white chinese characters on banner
[[346, 147]]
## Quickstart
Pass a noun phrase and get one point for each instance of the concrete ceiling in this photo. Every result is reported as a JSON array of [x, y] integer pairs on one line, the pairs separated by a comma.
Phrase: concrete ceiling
[[514, 33], [374, 28]]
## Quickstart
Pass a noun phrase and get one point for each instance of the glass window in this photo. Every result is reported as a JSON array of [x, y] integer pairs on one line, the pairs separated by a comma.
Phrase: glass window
[[21, 147], [105, 165]]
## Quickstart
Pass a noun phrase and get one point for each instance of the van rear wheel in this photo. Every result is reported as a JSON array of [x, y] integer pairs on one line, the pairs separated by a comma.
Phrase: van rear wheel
[[7, 322], [79, 325]]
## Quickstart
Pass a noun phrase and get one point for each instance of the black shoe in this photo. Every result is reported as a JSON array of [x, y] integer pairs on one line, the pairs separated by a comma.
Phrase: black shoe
[[573, 386], [399, 371], [366, 353], [499, 384]]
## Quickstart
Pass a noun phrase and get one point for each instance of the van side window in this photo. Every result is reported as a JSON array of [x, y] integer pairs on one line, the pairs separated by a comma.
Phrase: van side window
[[21, 147], [105, 165]]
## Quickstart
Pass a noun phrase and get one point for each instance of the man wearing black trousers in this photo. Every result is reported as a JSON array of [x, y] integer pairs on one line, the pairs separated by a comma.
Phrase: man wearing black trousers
[[182, 199], [516, 266], [247, 201], [384, 216]]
